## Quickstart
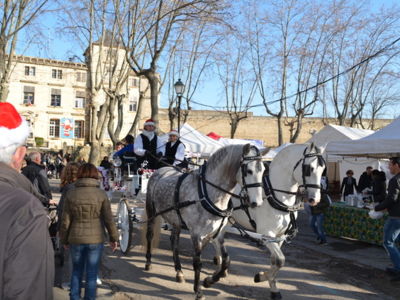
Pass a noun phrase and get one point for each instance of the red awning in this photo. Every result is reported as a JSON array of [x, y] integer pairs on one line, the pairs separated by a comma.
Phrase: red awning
[[214, 136]]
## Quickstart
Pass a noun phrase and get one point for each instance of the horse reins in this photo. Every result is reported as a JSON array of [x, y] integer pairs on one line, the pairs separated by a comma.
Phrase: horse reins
[[292, 229]]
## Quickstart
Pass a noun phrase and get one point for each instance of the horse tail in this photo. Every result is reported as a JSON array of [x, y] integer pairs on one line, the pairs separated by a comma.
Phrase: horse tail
[[150, 233]]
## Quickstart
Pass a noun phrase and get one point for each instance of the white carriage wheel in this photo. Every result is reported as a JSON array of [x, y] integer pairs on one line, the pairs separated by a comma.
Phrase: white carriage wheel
[[124, 226]]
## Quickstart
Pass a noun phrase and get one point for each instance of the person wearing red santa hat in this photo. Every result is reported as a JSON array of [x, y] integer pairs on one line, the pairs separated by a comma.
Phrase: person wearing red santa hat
[[148, 146], [175, 151], [26, 255]]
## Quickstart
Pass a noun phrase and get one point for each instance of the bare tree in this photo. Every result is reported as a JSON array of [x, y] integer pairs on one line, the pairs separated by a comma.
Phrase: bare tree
[[277, 26], [189, 60], [16, 15], [152, 26], [94, 23], [238, 86]]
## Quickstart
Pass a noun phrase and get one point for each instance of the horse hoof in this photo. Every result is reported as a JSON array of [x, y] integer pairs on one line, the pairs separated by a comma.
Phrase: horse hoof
[[200, 296], [207, 282], [179, 278], [147, 267], [257, 278], [224, 274], [276, 296]]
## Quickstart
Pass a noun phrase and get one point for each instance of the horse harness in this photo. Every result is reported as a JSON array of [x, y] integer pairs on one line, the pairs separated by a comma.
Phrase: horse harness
[[292, 229], [205, 201]]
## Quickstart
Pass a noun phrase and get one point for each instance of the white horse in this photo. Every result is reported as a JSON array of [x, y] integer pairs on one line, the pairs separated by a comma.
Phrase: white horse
[[199, 200], [294, 168]]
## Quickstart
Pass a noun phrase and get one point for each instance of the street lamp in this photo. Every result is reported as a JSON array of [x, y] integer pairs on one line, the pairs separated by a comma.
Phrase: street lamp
[[179, 89]]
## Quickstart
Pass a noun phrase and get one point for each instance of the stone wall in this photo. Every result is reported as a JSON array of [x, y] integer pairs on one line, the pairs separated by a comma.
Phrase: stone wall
[[254, 127]]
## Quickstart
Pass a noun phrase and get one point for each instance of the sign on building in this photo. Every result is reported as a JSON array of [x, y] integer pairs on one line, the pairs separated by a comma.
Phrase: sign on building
[[67, 128]]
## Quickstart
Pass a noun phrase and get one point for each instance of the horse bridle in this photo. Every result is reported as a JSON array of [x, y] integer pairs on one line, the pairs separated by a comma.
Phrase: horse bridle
[[291, 230], [243, 194], [305, 171], [306, 168]]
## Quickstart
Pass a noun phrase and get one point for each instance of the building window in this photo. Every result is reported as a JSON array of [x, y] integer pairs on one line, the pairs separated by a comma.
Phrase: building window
[[55, 97], [30, 127], [79, 129], [30, 71], [132, 104], [81, 76], [56, 73], [80, 98], [79, 102], [29, 95], [54, 128], [133, 82]]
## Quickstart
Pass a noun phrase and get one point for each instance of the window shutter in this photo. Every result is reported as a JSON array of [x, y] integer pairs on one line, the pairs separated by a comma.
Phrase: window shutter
[[81, 94], [29, 89], [56, 92]]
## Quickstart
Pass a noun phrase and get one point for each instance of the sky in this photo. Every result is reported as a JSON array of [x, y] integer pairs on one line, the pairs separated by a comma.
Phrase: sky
[[54, 45]]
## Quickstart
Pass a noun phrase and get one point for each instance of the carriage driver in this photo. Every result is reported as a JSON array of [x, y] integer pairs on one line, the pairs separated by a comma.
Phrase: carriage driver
[[148, 146], [175, 151]]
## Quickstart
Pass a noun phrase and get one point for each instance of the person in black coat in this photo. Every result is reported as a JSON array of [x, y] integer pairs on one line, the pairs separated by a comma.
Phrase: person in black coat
[[365, 180], [36, 173], [378, 186], [349, 184]]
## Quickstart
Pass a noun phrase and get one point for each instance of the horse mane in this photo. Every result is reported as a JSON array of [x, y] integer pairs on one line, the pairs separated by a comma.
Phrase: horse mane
[[231, 154]]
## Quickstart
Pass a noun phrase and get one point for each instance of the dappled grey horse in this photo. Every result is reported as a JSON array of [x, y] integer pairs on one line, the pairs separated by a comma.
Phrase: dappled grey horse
[[199, 201], [295, 168]]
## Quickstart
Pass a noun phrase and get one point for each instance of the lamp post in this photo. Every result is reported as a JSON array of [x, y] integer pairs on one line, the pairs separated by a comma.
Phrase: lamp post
[[179, 89]]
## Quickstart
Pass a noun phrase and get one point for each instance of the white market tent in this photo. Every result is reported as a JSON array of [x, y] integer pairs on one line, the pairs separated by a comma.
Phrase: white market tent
[[331, 133], [273, 152], [338, 165], [226, 142], [384, 143], [196, 143]]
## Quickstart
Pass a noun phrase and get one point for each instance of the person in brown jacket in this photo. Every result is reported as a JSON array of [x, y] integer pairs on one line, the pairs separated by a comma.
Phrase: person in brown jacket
[[86, 211], [26, 252]]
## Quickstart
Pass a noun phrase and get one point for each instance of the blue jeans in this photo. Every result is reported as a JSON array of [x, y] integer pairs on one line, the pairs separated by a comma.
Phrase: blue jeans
[[85, 255], [391, 232], [317, 224]]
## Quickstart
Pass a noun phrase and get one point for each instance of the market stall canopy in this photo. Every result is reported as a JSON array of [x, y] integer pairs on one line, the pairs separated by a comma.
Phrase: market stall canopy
[[273, 152], [227, 142], [196, 143], [381, 144], [333, 133]]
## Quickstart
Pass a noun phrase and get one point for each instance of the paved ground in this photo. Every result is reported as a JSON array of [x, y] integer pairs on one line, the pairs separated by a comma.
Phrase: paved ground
[[343, 269]]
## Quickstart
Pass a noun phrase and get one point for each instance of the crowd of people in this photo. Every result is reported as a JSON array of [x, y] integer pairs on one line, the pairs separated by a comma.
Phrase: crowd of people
[[84, 210]]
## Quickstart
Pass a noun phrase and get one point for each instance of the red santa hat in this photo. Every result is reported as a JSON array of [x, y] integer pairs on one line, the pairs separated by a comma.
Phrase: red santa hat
[[14, 130], [174, 132], [149, 122]]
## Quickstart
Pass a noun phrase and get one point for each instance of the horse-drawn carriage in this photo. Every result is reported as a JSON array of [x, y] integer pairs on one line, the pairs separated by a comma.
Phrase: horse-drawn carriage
[[200, 202], [130, 181]]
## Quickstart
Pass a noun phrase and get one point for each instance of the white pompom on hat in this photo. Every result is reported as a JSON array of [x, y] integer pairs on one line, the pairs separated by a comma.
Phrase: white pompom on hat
[[173, 132], [14, 130], [149, 122]]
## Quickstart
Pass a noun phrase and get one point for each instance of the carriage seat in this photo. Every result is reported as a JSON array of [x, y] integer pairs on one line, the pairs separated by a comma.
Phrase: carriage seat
[[129, 164]]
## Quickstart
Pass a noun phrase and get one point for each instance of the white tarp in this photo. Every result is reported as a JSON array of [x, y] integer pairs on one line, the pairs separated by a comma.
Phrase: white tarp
[[227, 142], [381, 144], [336, 133], [331, 133], [273, 152], [196, 143]]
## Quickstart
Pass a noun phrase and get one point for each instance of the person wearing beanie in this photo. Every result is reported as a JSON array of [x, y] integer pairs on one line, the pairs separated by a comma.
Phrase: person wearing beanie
[[26, 251], [175, 151], [148, 146]]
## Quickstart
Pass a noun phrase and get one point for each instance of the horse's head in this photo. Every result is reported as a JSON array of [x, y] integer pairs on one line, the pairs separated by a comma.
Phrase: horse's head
[[249, 176], [308, 171]]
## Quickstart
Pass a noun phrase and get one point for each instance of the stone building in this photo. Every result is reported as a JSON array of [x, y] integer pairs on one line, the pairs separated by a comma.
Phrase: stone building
[[52, 95]]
